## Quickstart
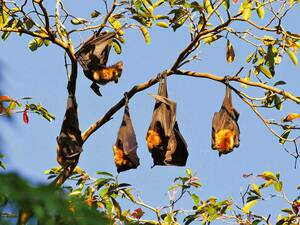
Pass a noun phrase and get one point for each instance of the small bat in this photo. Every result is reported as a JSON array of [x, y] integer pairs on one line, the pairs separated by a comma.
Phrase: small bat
[[225, 129], [164, 140], [125, 155], [69, 141], [93, 57]]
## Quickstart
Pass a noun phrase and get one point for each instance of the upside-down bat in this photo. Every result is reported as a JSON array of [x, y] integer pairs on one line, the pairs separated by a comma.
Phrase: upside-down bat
[[225, 129], [125, 155], [69, 141], [93, 56], [164, 140]]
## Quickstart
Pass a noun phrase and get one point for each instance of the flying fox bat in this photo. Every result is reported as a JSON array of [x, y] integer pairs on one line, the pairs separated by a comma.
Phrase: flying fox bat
[[69, 141], [93, 57], [125, 155], [225, 129], [164, 140]]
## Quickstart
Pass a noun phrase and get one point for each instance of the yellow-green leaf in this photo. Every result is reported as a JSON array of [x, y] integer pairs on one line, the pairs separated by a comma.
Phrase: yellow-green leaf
[[207, 6], [292, 56], [246, 9], [247, 78], [230, 55], [116, 24], [284, 136], [266, 71], [146, 34], [117, 47], [162, 24], [226, 4], [268, 175], [211, 39], [78, 21], [249, 205], [278, 186], [256, 189], [260, 10]]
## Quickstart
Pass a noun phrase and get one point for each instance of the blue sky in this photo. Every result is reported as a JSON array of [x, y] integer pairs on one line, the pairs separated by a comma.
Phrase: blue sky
[[31, 149]]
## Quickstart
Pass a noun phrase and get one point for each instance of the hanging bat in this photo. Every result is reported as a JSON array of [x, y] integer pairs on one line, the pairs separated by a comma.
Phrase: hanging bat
[[164, 140], [125, 155], [69, 141], [93, 57], [225, 129]]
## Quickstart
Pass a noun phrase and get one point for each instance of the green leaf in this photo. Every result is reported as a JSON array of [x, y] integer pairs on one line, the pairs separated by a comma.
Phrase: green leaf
[[104, 173], [277, 102], [281, 82], [292, 56], [129, 195], [195, 198], [117, 207], [35, 43], [189, 172], [2, 165], [146, 34], [248, 206], [284, 136], [278, 186]]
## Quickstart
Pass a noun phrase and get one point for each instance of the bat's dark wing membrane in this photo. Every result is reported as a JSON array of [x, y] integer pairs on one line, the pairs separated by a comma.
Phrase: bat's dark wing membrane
[[93, 54], [226, 118], [173, 148], [127, 139], [69, 140]]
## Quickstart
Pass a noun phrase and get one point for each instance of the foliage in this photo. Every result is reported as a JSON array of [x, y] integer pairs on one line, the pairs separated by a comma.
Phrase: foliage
[[256, 24]]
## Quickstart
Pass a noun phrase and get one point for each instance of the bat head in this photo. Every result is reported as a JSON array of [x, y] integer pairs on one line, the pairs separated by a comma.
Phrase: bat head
[[118, 70], [224, 141]]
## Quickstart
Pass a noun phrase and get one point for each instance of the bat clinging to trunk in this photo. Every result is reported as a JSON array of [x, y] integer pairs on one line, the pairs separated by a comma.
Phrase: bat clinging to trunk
[[225, 129], [93, 57]]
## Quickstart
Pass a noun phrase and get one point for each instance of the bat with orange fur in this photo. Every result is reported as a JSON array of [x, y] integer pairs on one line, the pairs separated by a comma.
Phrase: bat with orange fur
[[164, 140], [225, 129], [93, 57], [125, 155]]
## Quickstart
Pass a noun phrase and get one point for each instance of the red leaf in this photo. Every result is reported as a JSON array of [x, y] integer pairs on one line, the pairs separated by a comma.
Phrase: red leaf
[[25, 117], [138, 213], [235, 1], [5, 98]]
